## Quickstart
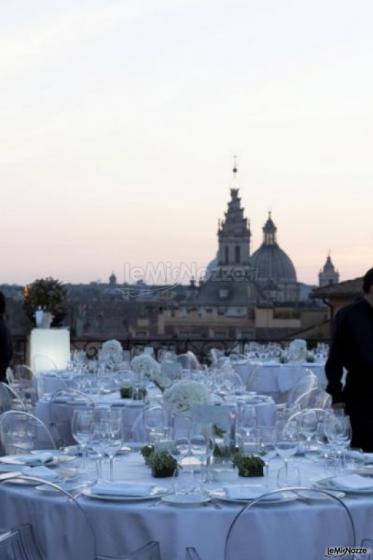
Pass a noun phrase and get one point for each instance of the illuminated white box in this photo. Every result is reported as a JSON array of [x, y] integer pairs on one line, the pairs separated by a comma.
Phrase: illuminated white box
[[48, 349]]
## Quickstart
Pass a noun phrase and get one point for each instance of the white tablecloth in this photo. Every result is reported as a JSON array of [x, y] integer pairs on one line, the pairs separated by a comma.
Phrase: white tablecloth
[[267, 377], [121, 527], [58, 415]]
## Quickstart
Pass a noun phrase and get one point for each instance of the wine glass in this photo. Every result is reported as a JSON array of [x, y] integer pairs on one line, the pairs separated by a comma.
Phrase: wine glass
[[267, 447], [308, 425], [82, 424], [247, 419], [112, 433], [286, 442]]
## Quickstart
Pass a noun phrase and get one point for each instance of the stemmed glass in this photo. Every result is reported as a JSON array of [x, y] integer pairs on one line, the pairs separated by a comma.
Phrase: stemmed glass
[[338, 431], [286, 443], [82, 424], [267, 447], [247, 420], [308, 424], [112, 428]]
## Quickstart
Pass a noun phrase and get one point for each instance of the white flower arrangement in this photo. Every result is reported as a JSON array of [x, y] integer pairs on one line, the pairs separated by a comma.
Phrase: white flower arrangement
[[146, 365], [181, 396], [297, 350], [112, 350]]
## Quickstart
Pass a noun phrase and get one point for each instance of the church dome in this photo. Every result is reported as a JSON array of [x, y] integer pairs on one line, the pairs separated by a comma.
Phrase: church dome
[[211, 268], [272, 263]]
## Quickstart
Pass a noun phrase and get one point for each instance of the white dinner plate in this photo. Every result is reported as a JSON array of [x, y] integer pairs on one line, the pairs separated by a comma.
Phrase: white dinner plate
[[17, 460], [56, 460], [21, 482], [315, 496], [68, 486], [130, 402], [364, 470], [155, 495], [327, 484], [279, 498], [186, 500], [134, 445]]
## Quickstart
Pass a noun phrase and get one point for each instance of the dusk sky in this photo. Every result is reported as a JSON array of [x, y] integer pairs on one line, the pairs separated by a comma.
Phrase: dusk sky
[[119, 121]]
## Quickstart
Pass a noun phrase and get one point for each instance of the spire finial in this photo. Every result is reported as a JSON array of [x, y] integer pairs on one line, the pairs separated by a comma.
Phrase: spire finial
[[270, 214], [235, 165]]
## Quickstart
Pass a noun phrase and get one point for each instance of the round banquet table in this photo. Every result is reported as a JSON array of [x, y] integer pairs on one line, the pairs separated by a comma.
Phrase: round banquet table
[[272, 377], [121, 527], [58, 414]]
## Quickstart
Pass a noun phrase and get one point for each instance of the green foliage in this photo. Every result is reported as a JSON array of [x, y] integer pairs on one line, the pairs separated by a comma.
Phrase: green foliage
[[147, 452], [249, 465], [129, 392], [162, 464], [47, 293]]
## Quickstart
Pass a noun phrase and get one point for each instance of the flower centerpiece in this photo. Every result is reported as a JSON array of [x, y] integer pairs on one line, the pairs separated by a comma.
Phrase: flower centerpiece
[[297, 350], [249, 465], [148, 367], [180, 397], [47, 294], [162, 464], [112, 351]]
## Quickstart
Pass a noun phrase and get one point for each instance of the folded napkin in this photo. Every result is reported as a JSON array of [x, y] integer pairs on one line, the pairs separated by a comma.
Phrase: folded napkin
[[368, 458], [128, 489], [245, 492], [40, 472], [34, 459], [352, 482]]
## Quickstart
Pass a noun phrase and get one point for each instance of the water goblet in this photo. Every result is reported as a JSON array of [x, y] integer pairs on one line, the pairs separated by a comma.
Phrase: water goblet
[[82, 428]]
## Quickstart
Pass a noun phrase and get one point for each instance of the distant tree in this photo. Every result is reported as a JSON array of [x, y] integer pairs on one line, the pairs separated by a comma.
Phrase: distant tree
[[48, 294]]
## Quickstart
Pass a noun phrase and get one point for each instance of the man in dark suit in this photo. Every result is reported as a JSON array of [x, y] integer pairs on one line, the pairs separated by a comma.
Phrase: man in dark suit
[[6, 351], [352, 348]]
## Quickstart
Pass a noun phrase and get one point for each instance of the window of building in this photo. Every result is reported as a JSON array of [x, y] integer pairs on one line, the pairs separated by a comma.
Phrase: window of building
[[237, 254]]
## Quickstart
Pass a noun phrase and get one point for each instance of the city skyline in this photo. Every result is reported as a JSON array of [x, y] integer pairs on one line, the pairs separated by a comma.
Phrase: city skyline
[[120, 121]]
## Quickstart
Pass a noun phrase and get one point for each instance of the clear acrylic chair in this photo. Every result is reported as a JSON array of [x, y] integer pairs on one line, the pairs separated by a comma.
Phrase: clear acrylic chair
[[306, 383], [270, 535], [24, 381], [11, 546], [80, 527], [191, 554], [10, 399], [84, 531], [21, 432], [42, 363], [368, 544], [148, 552], [59, 421]]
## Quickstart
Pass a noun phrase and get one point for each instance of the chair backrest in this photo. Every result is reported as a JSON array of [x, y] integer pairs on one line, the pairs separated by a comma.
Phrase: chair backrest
[[188, 360], [368, 544], [10, 398], [148, 552], [191, 554], [59, 420], [41, 363], [314, 398], [23, 373], [21, 432], [9, 374], [80, 527], [306, 383], [259, 527], [11, 546]]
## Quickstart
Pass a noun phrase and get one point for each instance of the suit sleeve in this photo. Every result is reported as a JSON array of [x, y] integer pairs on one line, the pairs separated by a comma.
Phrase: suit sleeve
[[334, 364], [6, 350]]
